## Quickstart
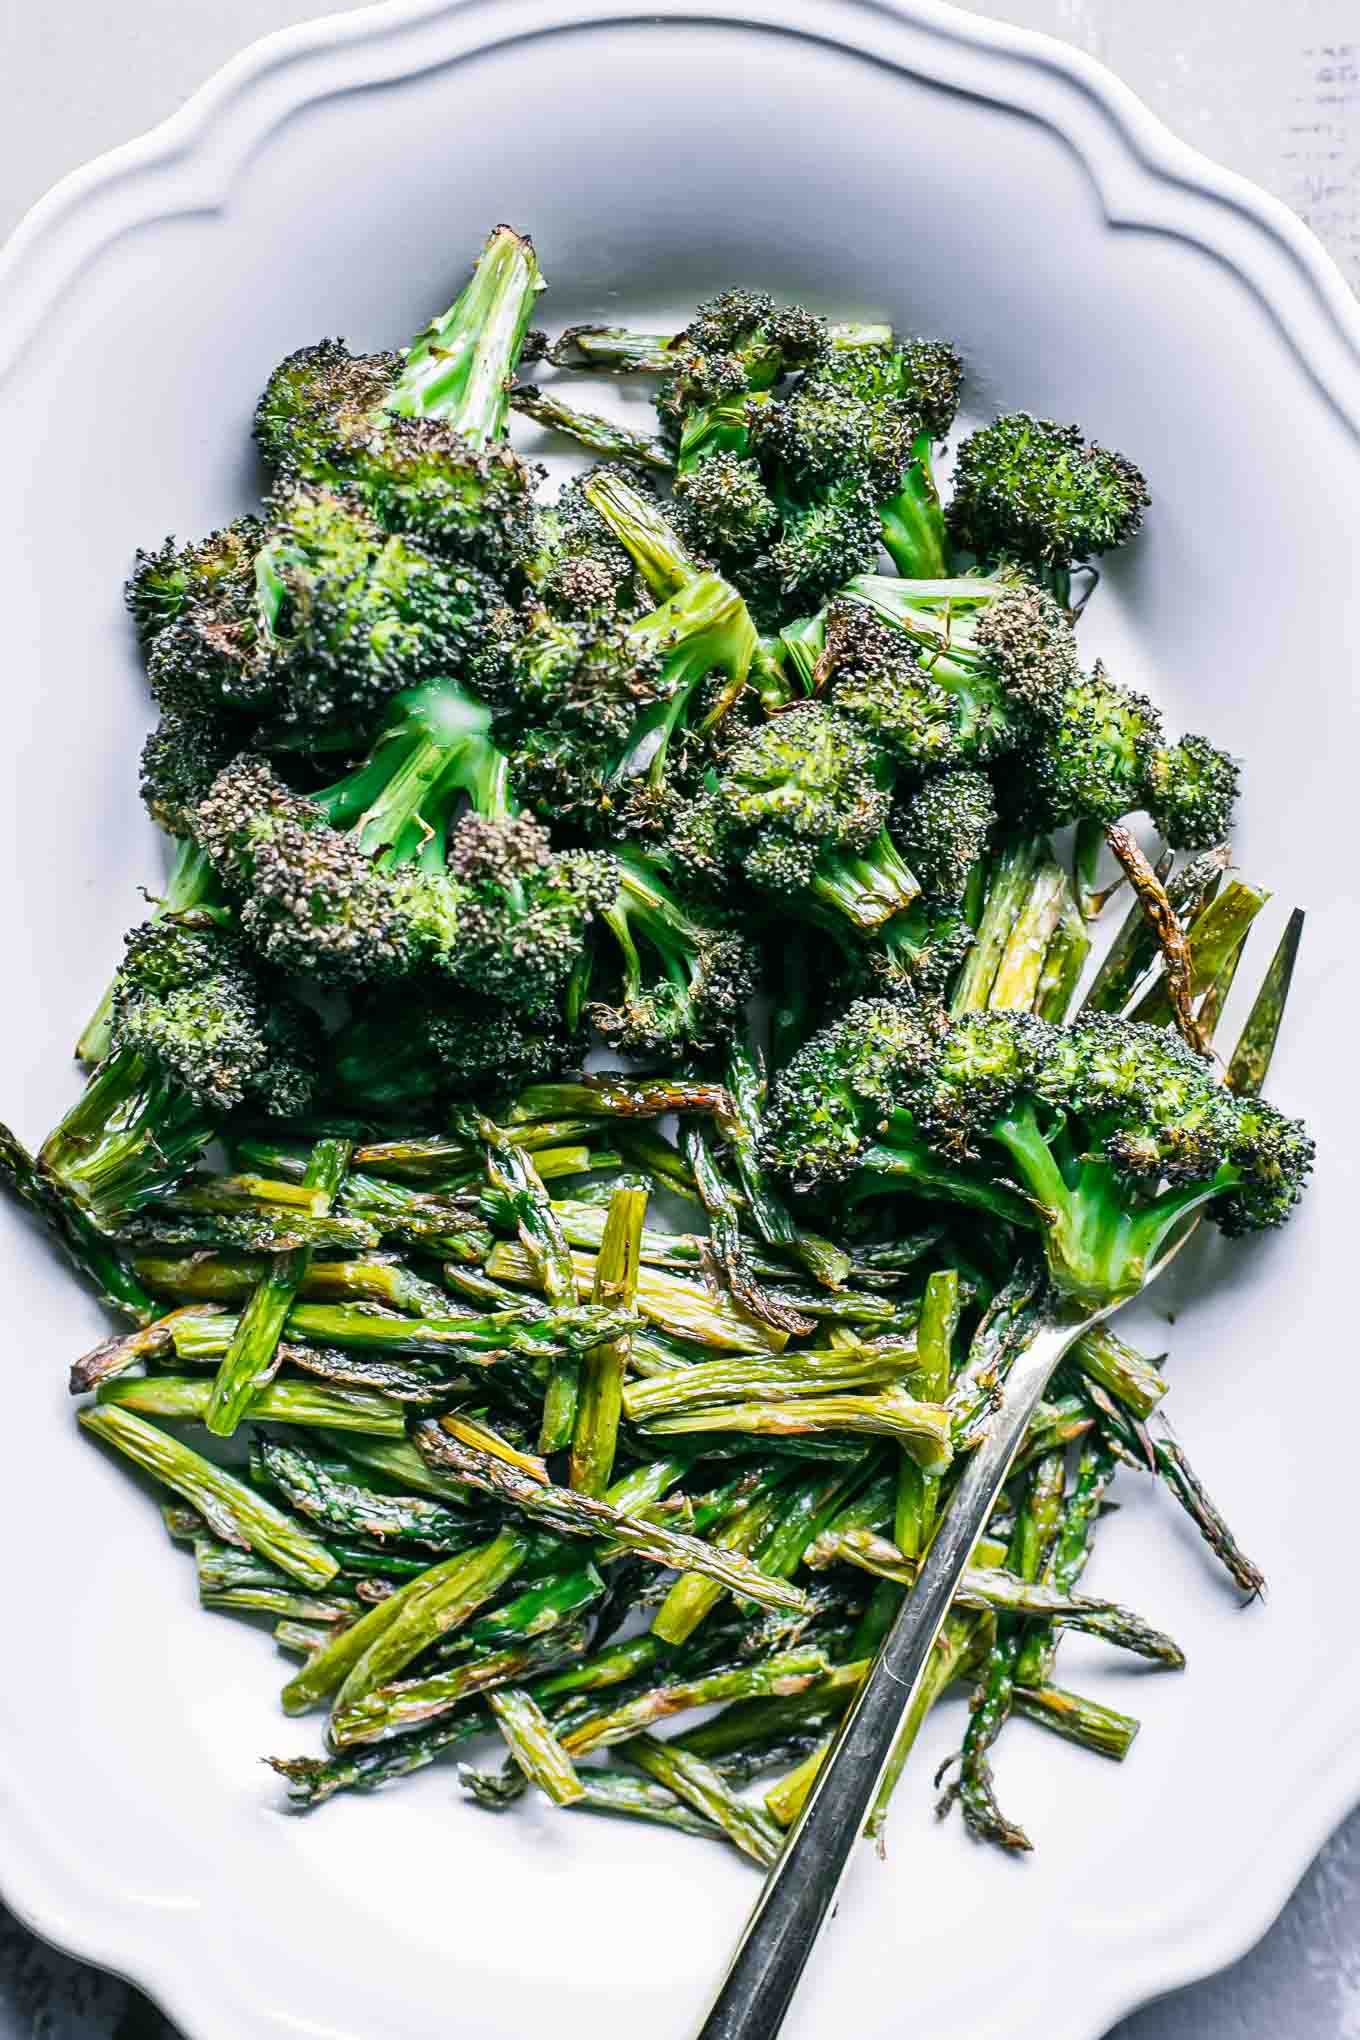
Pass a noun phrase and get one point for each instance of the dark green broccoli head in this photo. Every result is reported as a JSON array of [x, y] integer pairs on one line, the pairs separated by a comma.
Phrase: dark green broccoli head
[[822, 545], [921, 377], [322, 420], [944, 828], [1192, 792], [877, 680], [740, 340], [725, 511], [308, 899], [1030, 647], [1093, 759], [214, 656], [810, 774], [1274, 1155], [1028, 489], [191, 1004], [165, 584], [524, 909], [317, 399], [579, 568], [352, 616], [823, 433], [825, 1106], [406, 1055], [181, 758]]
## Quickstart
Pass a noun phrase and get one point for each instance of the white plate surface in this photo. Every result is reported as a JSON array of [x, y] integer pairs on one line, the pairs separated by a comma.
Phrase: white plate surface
[[908, 162]]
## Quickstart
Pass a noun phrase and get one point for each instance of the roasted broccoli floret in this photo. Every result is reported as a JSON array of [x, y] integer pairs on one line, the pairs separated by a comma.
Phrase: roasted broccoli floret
[[168, 582], [196, 1033], [736, 342], [683, 984], [412, 1050], [1112, 1133], [725, 509], [594, 712], [1191, 792], [523, 908], [944, 828], [1027, 489], [351, 616], [1092, 761], [375, 878], [799, 809], [419, 438]]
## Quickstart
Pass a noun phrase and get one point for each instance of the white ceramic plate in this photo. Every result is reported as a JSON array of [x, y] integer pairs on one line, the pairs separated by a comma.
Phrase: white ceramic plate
[[912, 163]]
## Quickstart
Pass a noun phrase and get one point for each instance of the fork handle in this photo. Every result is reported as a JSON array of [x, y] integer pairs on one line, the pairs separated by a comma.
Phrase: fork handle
[[801, 1888]]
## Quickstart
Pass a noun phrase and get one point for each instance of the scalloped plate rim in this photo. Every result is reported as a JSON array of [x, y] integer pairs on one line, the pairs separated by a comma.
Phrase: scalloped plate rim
[[60, 1902]]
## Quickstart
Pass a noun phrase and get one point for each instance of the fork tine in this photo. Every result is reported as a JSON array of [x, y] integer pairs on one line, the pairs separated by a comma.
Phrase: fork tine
[[1251, 1059]]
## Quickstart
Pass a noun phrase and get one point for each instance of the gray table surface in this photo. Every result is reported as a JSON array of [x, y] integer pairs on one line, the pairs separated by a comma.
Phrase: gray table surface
[[1268, 87]]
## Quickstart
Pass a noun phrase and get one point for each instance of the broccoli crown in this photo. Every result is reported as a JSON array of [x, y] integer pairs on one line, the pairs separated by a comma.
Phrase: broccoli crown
[[321, 420], [1093, 760], [572, 694], [353, 615], [308, 899], [408, 1053], [684, 984], [824, 433], [822, 544], [1113, 1133], [1030, 647], [799, 808], [1028, 489], [213, 656], [191, 1004], [737, 341], [1192, 792], [317, 399], [725, 510], [579, 568], [523, 908], [877, 680], [165, 584], [944, 828], [926, 376], [810, 774], [181, 758], [841, 1084]]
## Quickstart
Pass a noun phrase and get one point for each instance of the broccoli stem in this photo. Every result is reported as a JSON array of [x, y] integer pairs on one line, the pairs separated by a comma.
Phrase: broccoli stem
[[601, 435], [867, 887], [459, 367], [433, 747], [615, 350], [252, 1357], [636, 521], [913, 521], [1020, 970]]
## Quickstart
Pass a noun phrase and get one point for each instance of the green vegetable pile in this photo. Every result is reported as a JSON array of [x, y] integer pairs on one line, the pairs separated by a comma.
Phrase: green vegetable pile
[[566, 1399]]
